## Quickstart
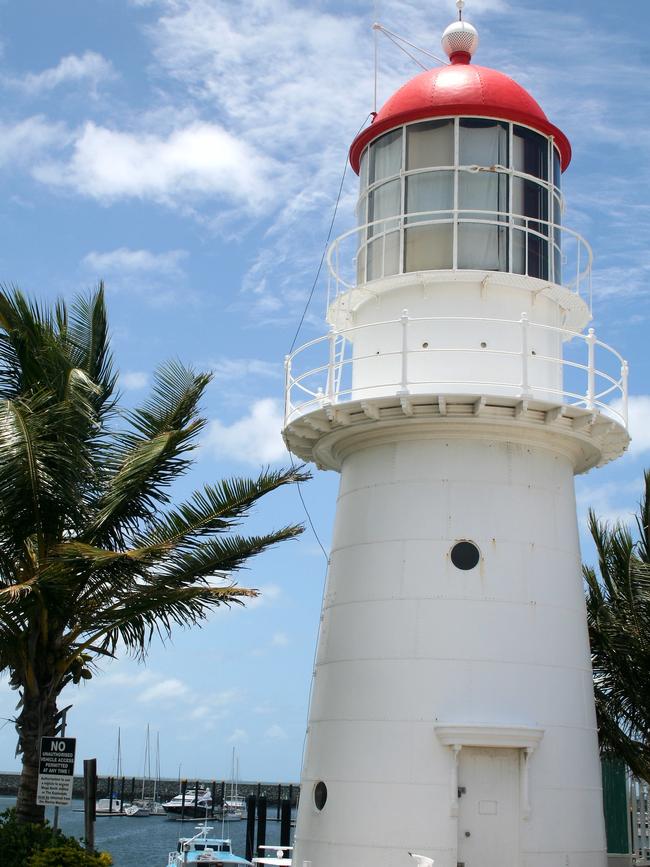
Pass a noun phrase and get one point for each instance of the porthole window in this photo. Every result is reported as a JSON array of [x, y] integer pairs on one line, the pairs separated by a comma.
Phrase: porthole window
[[465, 555], [320, 795]]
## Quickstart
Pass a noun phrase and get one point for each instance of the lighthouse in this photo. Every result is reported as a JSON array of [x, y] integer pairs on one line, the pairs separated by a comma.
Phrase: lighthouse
[[458, 391]]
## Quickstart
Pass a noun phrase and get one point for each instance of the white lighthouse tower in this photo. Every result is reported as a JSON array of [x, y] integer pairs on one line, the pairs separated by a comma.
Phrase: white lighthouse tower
[[457, 394]]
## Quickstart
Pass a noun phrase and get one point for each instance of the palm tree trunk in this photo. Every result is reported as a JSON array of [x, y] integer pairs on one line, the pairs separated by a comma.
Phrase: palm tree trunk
[[37, 719]]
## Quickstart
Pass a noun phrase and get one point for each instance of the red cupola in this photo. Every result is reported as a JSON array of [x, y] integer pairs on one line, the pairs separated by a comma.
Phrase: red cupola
[[460, 89]]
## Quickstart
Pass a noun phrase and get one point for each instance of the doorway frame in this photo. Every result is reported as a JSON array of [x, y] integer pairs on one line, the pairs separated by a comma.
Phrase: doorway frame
[[523, 738]]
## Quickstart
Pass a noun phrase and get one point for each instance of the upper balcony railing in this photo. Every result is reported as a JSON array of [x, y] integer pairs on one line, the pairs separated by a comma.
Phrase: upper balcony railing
[[461, 240], [345, 366]]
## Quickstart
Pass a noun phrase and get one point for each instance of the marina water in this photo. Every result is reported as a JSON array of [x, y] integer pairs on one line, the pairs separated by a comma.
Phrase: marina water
[[146, 842]]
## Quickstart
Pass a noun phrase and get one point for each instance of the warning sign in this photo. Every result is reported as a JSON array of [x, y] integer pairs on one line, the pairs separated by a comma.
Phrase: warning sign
[[56, 771]]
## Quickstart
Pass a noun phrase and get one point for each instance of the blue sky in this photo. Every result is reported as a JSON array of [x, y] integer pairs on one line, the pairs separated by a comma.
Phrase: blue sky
[[189, 153]]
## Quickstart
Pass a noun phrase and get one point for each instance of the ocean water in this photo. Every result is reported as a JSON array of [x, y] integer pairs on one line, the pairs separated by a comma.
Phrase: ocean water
[[147, 842]]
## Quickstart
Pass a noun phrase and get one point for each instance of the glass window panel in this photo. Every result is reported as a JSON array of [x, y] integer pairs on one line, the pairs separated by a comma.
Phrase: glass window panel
[[363, 170], [537, 257], [386, 156], [530, 152], [383, 256], [531, 200], [482, 191], [384, 201], [361, 211], [427, 192], [557, 170], [557, 239], [428, 248], [362, 255], [361, 266], [518, 249], [483, 143], [430, 144], [482, 247]]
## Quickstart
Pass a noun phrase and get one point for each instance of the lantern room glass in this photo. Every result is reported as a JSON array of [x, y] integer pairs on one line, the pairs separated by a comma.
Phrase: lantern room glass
[[467, 193]]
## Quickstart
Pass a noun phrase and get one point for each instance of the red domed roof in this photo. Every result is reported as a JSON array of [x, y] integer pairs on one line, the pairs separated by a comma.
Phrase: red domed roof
[[460, 89]]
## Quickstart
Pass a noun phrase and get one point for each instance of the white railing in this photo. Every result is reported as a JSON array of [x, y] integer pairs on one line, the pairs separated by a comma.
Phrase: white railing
[[567, 259], [588, 374], [638, 799]]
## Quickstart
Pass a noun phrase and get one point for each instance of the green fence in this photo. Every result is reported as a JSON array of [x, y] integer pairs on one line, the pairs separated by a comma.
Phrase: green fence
[[615, 804]]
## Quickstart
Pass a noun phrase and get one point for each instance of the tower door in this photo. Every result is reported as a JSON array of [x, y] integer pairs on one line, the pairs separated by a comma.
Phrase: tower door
[[488, 812]]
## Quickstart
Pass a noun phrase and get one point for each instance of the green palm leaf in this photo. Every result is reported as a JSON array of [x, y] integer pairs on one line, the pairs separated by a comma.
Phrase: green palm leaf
[[93, 557], [618, 613]]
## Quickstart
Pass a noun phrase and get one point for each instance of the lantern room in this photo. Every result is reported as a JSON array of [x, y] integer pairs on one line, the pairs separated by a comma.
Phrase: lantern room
[[459, 278], [461, 169]]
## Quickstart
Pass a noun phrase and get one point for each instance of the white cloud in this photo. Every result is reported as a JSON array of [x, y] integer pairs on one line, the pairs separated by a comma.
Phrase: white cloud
[[610, 501], [267, 593], [132, 380], [239, 736], [168, 690], [88, 66], [238, 368], [128, 678], [263, 709], [639, 423], [199, 161], [123, 260], [280, 639], [275, 733], [254, 439], [158, 277], [215, 706], [22, 142]]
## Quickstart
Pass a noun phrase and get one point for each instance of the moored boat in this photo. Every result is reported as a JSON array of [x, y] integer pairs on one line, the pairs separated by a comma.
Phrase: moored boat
[[111, 807], [193, 803], [278, 856], [206, 851]]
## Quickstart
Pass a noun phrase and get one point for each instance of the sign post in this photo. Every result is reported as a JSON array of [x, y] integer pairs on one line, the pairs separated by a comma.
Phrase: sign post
[[56, 771]]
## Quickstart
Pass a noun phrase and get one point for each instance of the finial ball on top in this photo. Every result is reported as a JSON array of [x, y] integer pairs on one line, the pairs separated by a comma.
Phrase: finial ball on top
[[460, 41]]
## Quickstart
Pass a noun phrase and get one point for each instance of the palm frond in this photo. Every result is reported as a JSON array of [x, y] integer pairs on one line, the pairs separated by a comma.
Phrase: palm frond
[[92, 557], [215, 508], [222, 554], [618, 615]]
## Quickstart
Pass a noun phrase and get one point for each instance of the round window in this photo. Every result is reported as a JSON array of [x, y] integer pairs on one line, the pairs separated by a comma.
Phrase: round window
[[320, 795], [465, 555]]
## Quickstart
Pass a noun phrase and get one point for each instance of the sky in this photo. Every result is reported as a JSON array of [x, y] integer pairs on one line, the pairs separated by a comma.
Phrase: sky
[[189, 153]]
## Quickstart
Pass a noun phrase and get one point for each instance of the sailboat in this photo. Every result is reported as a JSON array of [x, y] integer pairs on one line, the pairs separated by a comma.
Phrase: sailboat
[[149, 806], [112, 805], [234, 805]]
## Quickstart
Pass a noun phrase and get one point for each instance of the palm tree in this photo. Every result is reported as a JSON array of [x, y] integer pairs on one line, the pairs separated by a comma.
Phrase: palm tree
[[618, 611], [92, 553]]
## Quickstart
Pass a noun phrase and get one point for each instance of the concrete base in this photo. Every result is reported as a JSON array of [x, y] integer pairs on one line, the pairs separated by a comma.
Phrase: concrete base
[[621, 861]]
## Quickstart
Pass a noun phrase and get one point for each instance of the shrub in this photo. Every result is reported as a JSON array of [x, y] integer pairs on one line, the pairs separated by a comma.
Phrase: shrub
[[68, 854], [26, 845]]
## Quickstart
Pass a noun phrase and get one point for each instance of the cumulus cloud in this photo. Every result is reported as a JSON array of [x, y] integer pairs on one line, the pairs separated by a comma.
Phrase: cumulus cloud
[[132, 380], [89, 66], [170, 689], [22, 142], [198, 161], [211, 707], [253, 439], [267, 593], [158, 277], [123, 259], [639, 423], [611, 501], [280, 639], [275, 733], [239, 736], [238, 368]]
